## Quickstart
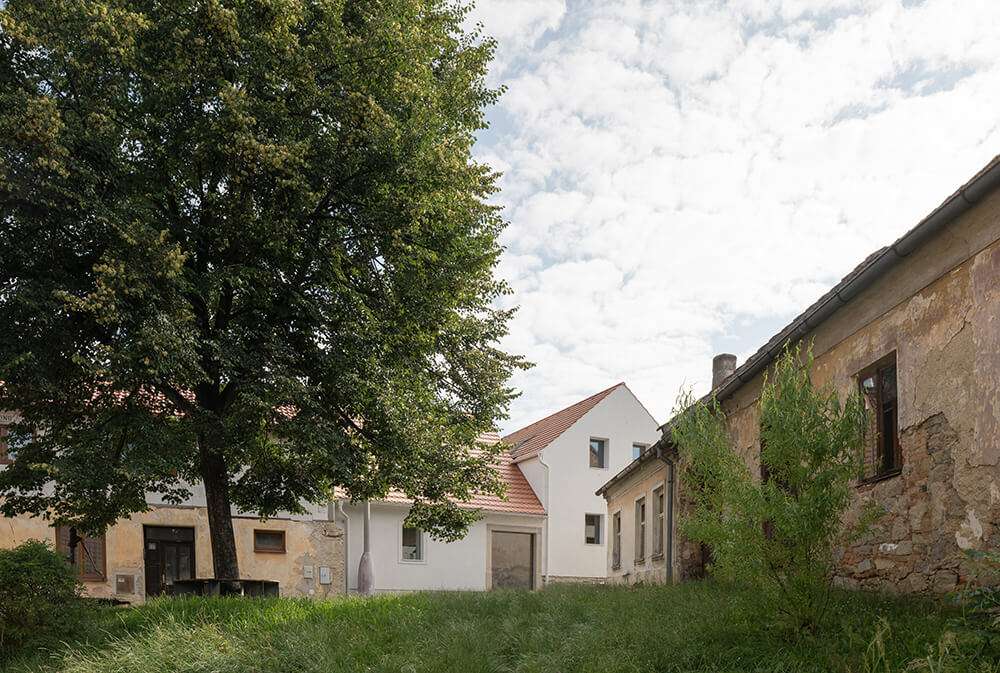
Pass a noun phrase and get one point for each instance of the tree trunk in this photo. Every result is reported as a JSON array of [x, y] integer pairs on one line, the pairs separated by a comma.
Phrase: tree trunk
[[220, 520]]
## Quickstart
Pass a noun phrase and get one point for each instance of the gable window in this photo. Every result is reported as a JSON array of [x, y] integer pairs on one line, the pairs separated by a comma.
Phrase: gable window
[[269, 541], [593, 525], [877, 385], [413, 544], [637, 450], [616, 540], [640, 530], [659, 517], [84, 553], [598, 453], [10, 442]]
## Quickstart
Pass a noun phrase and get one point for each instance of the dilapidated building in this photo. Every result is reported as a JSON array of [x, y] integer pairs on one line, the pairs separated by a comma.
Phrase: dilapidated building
[[915, 328]]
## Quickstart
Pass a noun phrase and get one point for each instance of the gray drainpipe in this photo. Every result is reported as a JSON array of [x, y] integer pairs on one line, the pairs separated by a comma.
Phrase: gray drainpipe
[[670, 512]]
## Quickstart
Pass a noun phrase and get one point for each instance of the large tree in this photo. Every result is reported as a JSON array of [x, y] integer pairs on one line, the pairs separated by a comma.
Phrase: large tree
[[244, 243]]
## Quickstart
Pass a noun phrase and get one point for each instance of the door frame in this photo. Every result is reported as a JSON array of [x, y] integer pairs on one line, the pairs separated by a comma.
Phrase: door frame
[[145, 552], [536, 546]]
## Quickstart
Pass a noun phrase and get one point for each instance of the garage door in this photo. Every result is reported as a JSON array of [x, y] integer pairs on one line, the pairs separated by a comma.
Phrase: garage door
[[513, 560]]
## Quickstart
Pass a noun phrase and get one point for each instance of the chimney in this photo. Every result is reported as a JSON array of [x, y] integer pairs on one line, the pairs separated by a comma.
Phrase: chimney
[[722, 366]]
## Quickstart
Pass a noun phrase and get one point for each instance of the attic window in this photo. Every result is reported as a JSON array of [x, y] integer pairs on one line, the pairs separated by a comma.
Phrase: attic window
[[598, 453]]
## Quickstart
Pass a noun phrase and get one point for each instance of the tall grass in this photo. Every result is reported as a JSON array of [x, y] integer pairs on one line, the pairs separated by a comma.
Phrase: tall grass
[[691, 627]]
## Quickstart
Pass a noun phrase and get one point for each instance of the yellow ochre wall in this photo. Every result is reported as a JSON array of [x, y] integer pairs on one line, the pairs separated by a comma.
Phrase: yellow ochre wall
[[307, 543]]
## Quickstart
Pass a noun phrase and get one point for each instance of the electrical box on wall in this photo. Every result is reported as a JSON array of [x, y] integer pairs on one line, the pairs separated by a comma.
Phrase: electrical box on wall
[[307, 572], [124, 584], [324, 575]]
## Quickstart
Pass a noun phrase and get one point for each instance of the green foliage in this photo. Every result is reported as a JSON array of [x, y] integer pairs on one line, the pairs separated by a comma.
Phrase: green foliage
[[39, 598], [245, 243], [776, 532], [690, 628]]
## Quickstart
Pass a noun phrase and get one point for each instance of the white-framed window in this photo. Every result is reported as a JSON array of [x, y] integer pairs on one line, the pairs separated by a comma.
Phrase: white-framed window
[[412, 545], [637, 449], [593, 528], [598, 453], [616, 540], [659, 519], [640, 530]]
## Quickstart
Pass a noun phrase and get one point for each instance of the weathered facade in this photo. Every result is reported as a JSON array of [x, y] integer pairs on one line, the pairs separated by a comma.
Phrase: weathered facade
[[916, 328], [641, 530]]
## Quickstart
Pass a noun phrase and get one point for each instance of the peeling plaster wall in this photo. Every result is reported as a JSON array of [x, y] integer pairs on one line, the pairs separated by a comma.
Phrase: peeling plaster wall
[[621, 498], [316, 543], [939, 310]]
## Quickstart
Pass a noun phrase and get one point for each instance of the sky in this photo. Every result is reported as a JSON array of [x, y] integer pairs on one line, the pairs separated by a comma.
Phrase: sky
[[682, 178]]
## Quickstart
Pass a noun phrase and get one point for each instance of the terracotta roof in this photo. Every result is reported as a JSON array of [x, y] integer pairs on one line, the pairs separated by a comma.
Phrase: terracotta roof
[[535, 437], [520, 497]]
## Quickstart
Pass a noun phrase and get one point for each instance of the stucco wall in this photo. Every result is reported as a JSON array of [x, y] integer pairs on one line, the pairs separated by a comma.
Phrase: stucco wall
[[621, 497], [307, 542], [939, 311], [459, 565], [621, 420]]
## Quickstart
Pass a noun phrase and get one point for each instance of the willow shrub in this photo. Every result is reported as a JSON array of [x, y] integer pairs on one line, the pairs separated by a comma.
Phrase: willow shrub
[[776, 529]]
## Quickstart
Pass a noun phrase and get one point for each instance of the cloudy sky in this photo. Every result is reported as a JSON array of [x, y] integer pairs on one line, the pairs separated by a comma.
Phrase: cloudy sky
[[683, 177]]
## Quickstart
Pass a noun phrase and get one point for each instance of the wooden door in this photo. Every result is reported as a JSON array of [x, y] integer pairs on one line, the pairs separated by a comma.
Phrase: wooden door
[[169, 556]]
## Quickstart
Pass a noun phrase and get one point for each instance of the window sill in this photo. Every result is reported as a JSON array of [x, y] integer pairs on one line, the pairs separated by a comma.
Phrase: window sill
[[269, 551], [616, 566], [657, 557], [881, 476], [640, 561]]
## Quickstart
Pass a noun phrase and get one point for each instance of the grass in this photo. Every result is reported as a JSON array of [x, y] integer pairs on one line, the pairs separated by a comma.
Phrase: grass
[[690, 627]]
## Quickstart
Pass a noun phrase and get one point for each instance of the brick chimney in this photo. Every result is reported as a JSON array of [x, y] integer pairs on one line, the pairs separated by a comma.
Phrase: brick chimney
[[722, 366]]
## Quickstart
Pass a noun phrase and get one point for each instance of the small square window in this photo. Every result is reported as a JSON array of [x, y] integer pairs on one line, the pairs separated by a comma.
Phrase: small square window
[[637, 450], [598, 453], [269, 541], [84, 553], [413, 544], [593, 525]]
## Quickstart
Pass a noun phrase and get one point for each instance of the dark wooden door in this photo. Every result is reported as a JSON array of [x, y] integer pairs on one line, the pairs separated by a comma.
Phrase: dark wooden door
[[169, 556]]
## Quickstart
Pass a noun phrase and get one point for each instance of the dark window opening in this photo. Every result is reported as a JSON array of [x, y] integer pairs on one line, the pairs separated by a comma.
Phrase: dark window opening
[[598, 456], [882, 456], [85, 554], [269, 541], [592, 525]]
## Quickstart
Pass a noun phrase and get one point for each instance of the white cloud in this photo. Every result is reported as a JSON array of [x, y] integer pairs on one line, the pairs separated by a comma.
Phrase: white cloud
[[677, 172]]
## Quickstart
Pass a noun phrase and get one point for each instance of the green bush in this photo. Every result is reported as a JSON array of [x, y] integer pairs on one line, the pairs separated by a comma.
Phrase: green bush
[[39, 598], [776, 531]]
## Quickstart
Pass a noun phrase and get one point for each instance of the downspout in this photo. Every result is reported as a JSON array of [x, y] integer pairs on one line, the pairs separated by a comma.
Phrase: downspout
[[545, 524], [366, 568], [670, 512], [347, 546]]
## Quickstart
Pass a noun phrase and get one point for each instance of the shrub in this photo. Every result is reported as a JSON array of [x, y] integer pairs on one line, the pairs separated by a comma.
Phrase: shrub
[[39, 597], [776, 531]]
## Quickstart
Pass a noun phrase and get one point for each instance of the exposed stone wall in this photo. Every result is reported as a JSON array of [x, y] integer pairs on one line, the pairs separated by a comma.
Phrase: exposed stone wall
[[564, 579], [943, 323]]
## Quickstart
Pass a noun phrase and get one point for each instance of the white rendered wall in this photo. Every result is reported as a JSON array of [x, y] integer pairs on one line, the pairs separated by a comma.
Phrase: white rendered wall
[[620, 420], [446, 565]]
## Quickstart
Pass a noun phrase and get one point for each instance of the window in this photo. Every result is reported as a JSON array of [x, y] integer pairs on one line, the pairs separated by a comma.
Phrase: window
[[269, 541], [637, 450], [413, 544], [85, 554], [616, 544], [10, 442], [598, 454], [640, 530], [659, 518], [882, 456], [593, 525]]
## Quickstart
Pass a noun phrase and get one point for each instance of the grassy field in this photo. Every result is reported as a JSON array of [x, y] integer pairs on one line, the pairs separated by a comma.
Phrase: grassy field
[[691, 627]]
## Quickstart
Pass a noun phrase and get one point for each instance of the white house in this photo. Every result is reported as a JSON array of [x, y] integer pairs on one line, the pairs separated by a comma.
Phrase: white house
[[501, 550], [566, 457]]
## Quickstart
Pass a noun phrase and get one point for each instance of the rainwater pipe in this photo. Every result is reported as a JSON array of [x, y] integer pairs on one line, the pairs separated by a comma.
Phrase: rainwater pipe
[[366, 568]]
